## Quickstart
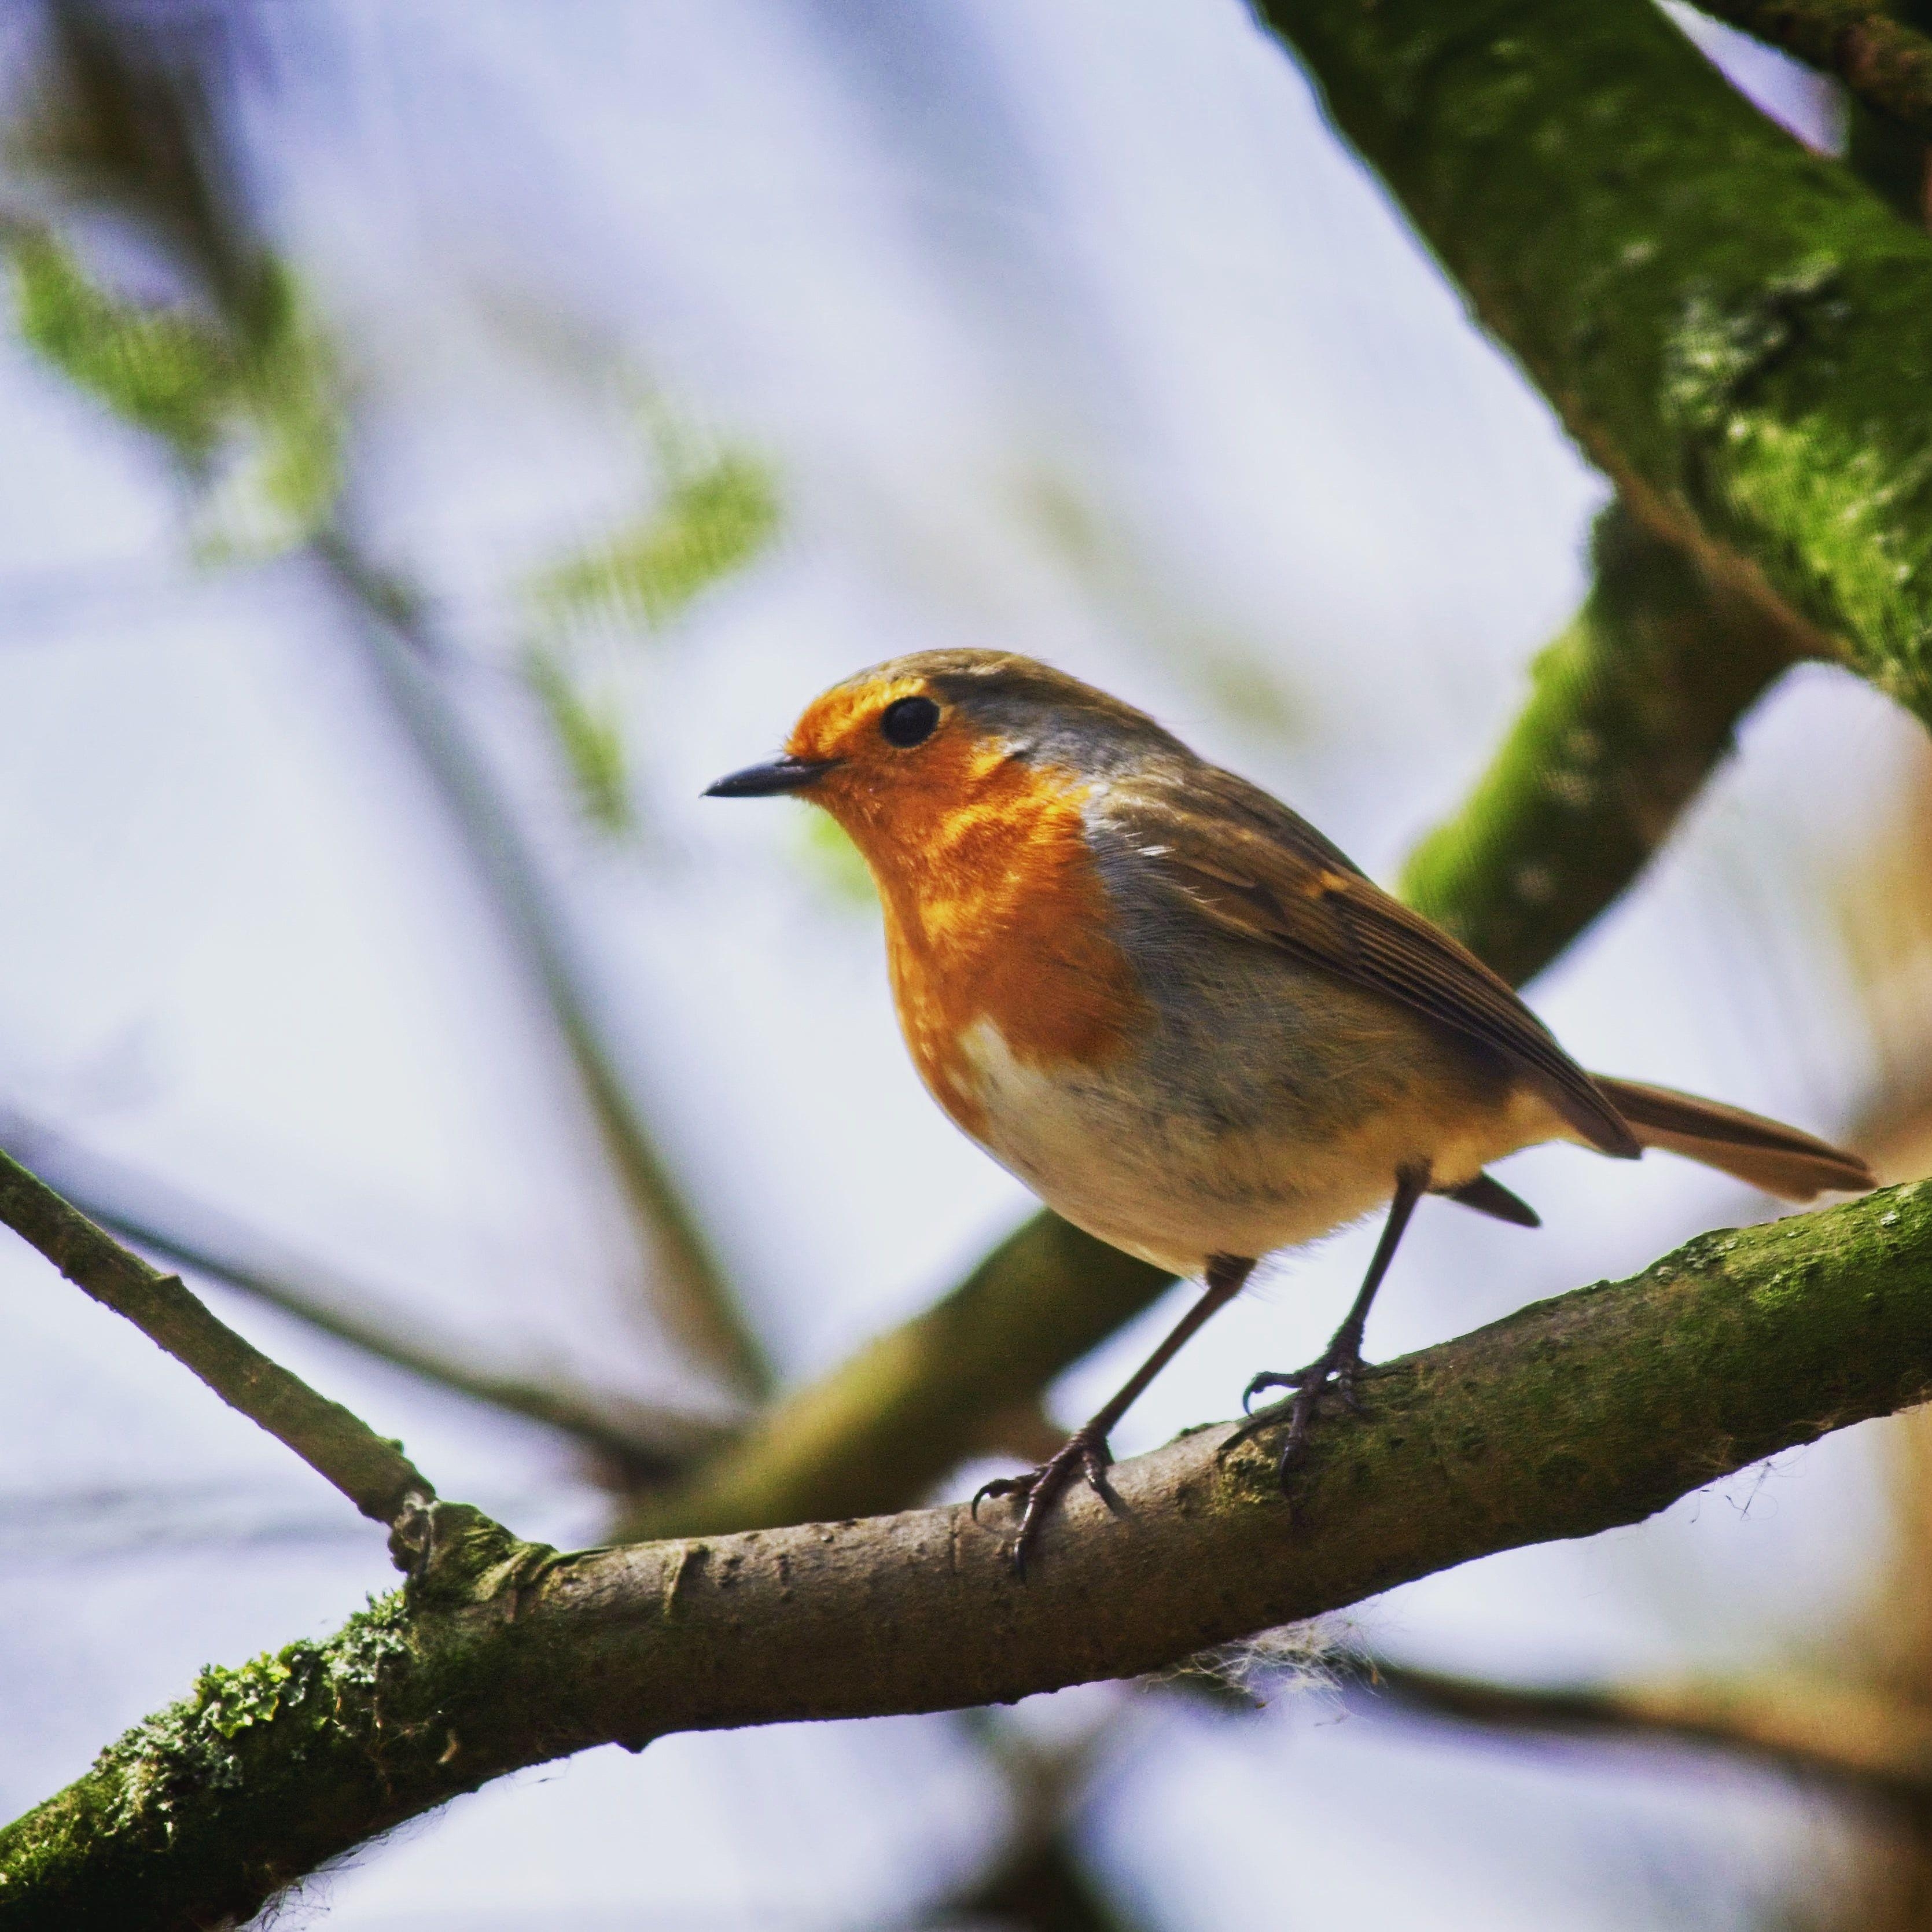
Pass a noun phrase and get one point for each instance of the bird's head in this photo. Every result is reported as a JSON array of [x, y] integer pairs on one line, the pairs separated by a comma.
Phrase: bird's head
[[897, 753]]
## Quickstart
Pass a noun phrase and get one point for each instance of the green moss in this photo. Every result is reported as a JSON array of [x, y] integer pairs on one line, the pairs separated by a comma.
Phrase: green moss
[[196, 1745], [1733, 326]]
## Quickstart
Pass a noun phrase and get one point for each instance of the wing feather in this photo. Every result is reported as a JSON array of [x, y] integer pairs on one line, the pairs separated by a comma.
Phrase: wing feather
[[1254, 867]]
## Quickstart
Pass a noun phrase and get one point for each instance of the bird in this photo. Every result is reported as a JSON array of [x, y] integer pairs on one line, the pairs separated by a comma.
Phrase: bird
[[1187, 1020]]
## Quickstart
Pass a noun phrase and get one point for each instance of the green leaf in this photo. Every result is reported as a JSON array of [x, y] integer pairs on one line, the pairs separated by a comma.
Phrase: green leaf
[[162, 370], [591, 739], [296, 387], [283, 488], [254, 409], [711, 522]]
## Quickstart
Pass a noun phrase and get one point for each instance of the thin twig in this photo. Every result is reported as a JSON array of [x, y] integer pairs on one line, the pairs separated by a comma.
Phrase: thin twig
[[372, 1472], [687, 1281], [645, 1443], [145, 131]]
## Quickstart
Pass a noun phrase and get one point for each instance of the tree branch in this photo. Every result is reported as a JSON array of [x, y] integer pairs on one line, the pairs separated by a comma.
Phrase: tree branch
[[644, 1444], [687, 1281], [1883, 62], [133, 118], [1575, 1415], [1735, 329], [887, 1423], [372, 1472], [1862, 1737]]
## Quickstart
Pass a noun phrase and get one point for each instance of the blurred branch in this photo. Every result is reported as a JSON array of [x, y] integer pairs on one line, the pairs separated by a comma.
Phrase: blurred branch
[[1036, 1880], [1884, 63], [1631, 709], [1039, 1884], [1862, 1737], [1735, 330], [643, 1444], [1573, 1416], [881, 1429], [371, 1471], [132, 116], [687, 1280], [122, 119]]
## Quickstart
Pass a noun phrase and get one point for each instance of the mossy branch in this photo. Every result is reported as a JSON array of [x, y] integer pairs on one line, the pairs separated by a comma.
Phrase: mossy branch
[[1735, 330], [1883, 62], [1575, 1415], [372, 1472]]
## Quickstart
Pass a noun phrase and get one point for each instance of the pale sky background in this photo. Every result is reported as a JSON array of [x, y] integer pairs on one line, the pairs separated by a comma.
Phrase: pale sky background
[[1066, 326]]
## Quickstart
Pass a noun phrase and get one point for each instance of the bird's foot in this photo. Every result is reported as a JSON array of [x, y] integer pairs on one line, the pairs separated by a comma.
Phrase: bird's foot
[[1084, 1453], [1336, 1371]]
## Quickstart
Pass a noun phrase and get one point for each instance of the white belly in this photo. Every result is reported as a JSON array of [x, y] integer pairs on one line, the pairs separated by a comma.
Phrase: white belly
[[1160, 1185]]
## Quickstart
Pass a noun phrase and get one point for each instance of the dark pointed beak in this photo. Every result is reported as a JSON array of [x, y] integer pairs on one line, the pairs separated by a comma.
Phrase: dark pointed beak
[[766, 781]]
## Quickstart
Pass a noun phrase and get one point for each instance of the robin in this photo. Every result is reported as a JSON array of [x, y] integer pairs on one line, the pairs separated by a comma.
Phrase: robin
[[1184, 1018]]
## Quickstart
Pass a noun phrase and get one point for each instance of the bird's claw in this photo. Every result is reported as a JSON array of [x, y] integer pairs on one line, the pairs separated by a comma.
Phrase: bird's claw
[[1270, 1378], [1337, 1372], [1080, 1455]]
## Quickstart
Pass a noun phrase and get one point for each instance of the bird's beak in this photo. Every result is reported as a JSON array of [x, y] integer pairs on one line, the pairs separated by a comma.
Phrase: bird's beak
[[785, 773]]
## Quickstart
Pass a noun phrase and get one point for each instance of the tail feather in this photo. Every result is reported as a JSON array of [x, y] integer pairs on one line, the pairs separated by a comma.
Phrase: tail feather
[[1767, 1154]]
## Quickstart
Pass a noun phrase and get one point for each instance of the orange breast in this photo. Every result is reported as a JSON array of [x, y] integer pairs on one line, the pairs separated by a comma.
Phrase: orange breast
[[995, 911]]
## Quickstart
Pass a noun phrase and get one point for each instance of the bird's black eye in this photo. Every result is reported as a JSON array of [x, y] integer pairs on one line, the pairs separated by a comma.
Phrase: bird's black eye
[[908, 721]]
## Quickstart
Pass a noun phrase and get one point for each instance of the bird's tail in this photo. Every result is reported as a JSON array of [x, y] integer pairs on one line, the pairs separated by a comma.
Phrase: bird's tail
[[1766, 1154]]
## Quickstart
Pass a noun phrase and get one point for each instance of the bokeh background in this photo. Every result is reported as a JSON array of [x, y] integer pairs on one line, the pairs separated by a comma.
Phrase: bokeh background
[[627, 372]]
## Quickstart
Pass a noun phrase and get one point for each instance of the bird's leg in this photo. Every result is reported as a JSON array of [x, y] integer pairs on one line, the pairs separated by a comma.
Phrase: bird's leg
[[1340, 1365], [1085, 1453]]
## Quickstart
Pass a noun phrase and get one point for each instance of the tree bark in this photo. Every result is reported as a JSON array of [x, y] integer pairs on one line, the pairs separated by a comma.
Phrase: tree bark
[[1734, 329], [1883, 61], [1576, 1415], [370, 1470]]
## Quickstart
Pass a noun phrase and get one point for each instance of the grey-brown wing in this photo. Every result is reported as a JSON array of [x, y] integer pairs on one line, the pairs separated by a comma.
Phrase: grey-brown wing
[[1253, 867]]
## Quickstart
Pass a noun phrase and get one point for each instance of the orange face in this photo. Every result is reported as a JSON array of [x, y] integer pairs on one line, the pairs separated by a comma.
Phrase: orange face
[[995, 912]]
